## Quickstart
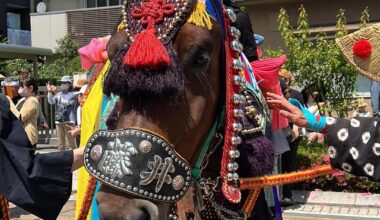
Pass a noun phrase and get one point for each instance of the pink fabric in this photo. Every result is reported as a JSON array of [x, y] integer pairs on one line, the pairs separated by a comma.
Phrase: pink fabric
[[266, 73], [94, 53]]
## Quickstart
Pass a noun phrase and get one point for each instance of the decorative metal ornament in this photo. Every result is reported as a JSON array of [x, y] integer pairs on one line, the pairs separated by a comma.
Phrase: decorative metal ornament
[[234, 154], [231, 14], [233, 166], [235, 177], [236, 140], [230, 177], [237, 46], [235, 32], [139, 163], [238, 99], [237, 127], [165, 28], [145, 146], [96, 152], [238, 113], [178, 182], [238, 80], [237, 64]]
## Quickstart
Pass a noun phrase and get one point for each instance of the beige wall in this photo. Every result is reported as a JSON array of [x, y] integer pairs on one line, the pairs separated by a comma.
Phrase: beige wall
[[321, 13], [60, 5], [47, 29]]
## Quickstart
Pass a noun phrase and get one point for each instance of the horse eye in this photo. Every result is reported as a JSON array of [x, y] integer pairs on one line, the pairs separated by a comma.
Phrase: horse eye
[[201, 59]]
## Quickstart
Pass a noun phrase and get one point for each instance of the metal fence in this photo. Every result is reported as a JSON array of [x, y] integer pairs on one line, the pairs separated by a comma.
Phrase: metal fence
[[44, 135]]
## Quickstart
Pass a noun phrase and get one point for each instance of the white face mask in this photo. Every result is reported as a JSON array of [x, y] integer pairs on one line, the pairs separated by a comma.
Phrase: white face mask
[[65, 87]]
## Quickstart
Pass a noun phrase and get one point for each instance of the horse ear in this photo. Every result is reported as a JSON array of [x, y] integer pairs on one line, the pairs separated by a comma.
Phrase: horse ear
[[116, 43]]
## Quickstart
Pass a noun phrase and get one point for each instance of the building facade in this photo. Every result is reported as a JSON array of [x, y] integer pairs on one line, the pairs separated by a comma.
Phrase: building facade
[[81, 19], [15, 21]]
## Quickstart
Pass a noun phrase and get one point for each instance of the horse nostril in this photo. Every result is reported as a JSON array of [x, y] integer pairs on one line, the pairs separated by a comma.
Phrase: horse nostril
[[145, 214], [150, 210]]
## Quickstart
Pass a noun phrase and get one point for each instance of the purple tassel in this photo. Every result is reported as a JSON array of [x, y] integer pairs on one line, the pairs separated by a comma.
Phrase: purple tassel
[[256, 157]]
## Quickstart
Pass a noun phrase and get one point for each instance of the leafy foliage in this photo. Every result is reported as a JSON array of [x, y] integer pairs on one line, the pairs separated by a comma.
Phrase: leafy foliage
[[68, 62], [67, 48], [317, 62], [314, 155]]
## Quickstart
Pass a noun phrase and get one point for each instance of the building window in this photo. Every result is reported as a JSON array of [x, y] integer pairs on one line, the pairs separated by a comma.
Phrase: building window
[[102, 3]]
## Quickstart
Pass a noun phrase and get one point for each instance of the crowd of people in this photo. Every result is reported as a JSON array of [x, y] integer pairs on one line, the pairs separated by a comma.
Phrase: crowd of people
[[22, 92]]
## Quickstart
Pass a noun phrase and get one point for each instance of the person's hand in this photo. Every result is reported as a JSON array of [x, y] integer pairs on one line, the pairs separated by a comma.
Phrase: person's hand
[[74, 130], [289, 111], [78, 161], [45, 126], [295, 133], [315, 137], [53, 89], [48, 87]]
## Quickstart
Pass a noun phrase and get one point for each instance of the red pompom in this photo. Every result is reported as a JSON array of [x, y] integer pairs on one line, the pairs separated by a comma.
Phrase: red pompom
[[362, 48], [147, 51]]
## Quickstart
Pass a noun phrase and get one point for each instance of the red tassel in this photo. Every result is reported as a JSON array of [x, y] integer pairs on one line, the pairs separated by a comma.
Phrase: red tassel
[[147, 51]]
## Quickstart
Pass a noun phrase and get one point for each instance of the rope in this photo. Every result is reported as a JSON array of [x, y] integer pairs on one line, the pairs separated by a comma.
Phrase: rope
[[86, 205], [257, 183], [4, 208]]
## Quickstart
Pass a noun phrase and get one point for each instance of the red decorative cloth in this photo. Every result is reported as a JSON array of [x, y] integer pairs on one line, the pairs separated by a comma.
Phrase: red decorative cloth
[[266, 72]]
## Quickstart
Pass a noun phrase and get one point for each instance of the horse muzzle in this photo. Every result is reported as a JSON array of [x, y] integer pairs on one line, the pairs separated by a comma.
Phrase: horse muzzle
[[114, 205]]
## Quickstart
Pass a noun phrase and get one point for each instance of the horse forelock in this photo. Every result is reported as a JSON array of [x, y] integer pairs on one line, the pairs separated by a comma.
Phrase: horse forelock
[[147, 84]]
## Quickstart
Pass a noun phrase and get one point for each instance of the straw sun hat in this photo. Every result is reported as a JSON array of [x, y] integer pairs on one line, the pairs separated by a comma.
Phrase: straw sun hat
[[362, 50]]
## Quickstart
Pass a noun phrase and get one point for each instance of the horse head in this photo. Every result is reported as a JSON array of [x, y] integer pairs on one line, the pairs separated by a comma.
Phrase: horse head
[[171, 76]]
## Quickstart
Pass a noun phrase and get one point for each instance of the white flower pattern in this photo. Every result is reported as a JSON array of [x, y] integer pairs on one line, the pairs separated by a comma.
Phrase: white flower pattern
[[365, 137], [355, 123], [354, 153], [330, 121], [376, 149], [369, 169], [332, 152], [343, 134], [346, 167]]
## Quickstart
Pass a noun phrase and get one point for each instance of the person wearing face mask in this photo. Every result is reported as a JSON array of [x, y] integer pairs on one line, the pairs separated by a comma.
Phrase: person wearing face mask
[[27, 109], [66, 104]]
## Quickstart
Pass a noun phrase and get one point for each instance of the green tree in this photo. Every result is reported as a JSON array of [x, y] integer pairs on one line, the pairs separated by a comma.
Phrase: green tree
[[317, 62], [67, 63]]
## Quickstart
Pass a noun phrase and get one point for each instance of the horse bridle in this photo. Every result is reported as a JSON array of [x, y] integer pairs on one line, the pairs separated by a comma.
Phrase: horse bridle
[[144, 164]]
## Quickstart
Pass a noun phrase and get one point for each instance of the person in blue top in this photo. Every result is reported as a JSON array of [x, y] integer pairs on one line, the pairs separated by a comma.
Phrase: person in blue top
[[66, 104]]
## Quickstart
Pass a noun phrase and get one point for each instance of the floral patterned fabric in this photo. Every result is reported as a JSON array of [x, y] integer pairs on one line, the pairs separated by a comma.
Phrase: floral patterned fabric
[[354, 145]]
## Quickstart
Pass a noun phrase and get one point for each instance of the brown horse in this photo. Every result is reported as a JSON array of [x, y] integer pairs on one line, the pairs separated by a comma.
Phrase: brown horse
[[185, 125], [180, 106]]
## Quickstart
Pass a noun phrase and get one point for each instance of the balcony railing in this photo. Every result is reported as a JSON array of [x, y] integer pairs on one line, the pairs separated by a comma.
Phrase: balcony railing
[[19, 37]]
